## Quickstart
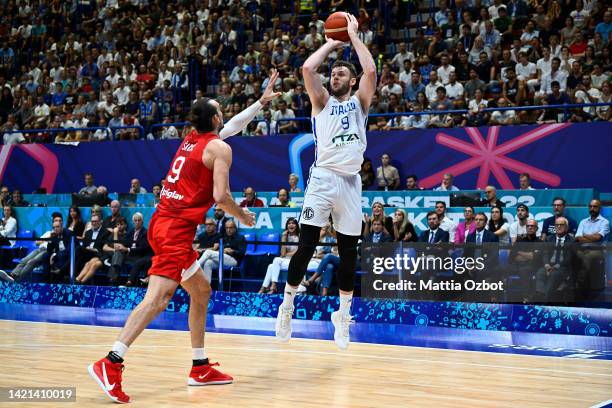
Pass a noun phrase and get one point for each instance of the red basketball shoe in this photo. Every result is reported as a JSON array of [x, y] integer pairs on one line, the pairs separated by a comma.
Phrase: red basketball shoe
[[207, 375], [108, 376]]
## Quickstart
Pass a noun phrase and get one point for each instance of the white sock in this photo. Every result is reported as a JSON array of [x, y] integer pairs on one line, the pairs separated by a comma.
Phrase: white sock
[[345, 304], [289, 296], [119, 348], [198, 354]]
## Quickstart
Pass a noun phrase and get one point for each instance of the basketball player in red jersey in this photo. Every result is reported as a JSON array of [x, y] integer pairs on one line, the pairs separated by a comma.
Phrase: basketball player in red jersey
[[198, 178]]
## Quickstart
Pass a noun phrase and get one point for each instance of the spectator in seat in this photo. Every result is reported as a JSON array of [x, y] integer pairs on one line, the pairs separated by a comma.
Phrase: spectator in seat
[[234, 248], [387, 176], [466, 227], [5, 196], [293, 183], [412, 182], [136, 188], [290, 234], [444, 222], [503, 117], [367, 174], [220, 220], [519, 228], [284, 113], [266, 125], [447, 183], [110, 222], [113, 253], [8, 226], [434, 233], [491, 199], [250, 199], [378, 235], [527, 258], [479, 232], [548, 227], [403, 229], [33, 259], [441, 120], [139, 251], [525, 182], [18, 201], [282, 199], [90, 252], [593, 229], [496, 225], [58, 253], [208, 239], [75, 222], [559, 263], [89, 187]]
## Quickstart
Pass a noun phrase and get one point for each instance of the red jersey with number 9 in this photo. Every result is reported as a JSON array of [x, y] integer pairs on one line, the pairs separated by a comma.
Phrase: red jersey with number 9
[[187, 192]]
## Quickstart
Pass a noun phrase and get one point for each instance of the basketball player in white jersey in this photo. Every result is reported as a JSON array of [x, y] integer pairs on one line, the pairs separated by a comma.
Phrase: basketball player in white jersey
[[334, 185]]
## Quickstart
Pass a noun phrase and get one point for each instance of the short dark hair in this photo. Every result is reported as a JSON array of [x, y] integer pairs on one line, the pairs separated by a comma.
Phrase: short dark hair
[[202, 113], [483, 214], [441, 202], [56, 214], [346, 64], [432, 213], [412, 176], [559, 199]]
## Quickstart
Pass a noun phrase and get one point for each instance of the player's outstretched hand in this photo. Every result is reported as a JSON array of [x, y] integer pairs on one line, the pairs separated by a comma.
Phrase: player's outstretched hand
[[247, 217], [352, 25], [268, 93]]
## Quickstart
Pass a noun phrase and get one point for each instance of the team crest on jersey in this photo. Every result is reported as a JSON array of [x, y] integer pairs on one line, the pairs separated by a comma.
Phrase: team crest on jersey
[[344, 140], [308, 213]]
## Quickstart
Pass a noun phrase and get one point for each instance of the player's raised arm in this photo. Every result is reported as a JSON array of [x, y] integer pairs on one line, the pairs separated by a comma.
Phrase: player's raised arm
[[367, 83], [312, 81], [239, 122], [218, 157]]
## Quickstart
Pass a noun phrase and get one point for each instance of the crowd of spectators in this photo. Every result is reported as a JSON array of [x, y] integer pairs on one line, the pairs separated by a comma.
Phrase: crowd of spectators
[[118, 252], [87, 63]]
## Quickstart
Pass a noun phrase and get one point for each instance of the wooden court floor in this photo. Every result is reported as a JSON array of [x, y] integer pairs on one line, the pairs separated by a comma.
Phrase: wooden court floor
[[303, 373]]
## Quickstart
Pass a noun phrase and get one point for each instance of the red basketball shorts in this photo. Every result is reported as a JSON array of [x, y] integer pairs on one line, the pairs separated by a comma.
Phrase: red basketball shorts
[[171, 240]]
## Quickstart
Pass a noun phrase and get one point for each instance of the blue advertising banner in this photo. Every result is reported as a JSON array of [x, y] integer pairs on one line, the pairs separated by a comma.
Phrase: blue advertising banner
[[457, 315], [274, 219], [555, 155]]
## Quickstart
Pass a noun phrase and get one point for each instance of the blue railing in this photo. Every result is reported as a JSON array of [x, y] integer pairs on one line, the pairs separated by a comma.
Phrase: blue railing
[[566, 108]]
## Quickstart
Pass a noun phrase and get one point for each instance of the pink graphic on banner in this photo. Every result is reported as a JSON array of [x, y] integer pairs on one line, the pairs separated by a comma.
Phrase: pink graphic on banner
[[41, 154], [492, 158]]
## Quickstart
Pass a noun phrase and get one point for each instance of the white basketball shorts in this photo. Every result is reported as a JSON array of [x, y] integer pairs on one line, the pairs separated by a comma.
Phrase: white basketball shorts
[[331, 193]]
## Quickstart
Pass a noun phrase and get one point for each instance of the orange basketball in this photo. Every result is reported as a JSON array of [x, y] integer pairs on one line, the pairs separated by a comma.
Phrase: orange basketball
[[335, 27]]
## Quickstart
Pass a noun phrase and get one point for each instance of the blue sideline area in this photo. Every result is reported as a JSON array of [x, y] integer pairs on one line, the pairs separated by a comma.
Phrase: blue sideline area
[[503, 328]]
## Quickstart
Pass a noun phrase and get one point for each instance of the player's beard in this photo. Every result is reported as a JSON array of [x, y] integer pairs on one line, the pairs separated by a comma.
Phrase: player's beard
[[341, 91]]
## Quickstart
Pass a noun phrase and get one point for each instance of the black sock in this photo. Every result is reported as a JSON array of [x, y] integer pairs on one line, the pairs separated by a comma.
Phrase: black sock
[[114, 357], [197, 363]]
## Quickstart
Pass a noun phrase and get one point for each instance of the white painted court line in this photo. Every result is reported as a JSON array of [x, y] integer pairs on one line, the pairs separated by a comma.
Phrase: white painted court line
[[603, 404], [326, 353], [270, 350]]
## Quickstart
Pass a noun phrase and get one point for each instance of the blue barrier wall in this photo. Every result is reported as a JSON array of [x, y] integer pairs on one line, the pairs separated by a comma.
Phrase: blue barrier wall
[[475, 316], [556, 155], [274, 219]]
